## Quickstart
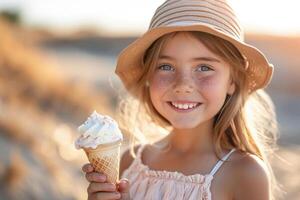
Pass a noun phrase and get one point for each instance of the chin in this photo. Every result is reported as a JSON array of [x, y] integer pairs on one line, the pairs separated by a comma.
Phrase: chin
[[184, 125]]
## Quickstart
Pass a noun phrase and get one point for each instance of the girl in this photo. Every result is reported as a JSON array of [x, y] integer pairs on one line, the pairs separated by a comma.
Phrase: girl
[[192, 76]]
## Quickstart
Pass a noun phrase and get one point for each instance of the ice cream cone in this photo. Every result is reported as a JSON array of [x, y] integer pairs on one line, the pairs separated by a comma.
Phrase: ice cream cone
[[106, 159], [101, 140]]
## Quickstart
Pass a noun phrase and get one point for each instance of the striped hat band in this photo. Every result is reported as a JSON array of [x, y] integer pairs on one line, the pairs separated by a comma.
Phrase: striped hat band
[[217, 14]]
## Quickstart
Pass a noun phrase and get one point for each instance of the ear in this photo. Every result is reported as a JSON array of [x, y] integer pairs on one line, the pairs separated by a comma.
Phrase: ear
[[231, 88]]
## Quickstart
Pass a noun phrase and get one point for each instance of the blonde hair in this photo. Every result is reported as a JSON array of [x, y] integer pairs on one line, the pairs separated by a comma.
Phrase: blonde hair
[[246, 121]]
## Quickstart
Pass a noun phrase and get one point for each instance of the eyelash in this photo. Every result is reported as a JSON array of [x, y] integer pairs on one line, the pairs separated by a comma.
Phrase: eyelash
[[160, 66], [209, 68]]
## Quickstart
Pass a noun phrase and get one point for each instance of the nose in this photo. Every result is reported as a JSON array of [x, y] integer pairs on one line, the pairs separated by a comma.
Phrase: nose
[[184, 84]]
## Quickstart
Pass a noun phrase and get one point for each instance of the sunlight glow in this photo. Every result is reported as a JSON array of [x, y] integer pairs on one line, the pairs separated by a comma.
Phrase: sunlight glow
[[133, 16], [63, 138]]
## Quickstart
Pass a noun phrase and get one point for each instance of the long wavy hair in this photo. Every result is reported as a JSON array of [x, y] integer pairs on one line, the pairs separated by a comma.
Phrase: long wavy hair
[[247, 120]]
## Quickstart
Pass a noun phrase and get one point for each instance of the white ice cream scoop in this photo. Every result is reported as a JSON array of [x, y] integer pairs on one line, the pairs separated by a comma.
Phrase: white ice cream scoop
[[96, 130]]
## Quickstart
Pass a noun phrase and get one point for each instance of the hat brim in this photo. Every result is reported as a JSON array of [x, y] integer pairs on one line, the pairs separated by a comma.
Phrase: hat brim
[[130, 60]]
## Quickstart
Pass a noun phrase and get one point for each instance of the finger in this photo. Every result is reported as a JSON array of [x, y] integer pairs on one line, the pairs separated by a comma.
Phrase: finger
[[123, 187], [95, 177], [101, 187], [105, 196], [87, 168]]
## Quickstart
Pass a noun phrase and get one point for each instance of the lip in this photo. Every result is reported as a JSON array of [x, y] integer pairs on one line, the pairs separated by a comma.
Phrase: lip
[[184, 101], [182, 110]]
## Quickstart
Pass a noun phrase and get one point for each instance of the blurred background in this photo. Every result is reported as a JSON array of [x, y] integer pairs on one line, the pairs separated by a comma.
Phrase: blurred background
[[57, 61]]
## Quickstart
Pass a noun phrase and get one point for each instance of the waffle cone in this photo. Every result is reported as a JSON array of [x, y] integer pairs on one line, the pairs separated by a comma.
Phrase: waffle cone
[[106, 159]]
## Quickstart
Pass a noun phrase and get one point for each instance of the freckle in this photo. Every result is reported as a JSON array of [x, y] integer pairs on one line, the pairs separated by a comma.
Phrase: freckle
[[164, 80], [206, 82], [161, 81]]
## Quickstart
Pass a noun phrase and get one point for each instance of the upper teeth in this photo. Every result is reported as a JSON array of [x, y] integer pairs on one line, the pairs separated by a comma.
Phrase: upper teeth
[[184, 106]]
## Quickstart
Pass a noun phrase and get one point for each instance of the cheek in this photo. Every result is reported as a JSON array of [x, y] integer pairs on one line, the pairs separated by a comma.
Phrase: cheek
[[208, 83], [211, 87], [160, 82], [159, 85], [216, 81]]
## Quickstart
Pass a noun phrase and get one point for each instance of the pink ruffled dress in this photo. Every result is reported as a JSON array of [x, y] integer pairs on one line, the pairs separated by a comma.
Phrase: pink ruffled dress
[[156, 185]]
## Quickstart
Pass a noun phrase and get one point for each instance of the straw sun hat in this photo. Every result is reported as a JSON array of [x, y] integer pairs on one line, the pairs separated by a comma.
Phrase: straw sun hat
[[211, 16]]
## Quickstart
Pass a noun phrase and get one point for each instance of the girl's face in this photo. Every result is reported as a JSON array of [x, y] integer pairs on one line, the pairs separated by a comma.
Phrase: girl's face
[[190, 83]]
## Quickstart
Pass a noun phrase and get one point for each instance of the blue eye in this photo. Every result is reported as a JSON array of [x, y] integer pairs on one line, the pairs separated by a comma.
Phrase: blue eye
[[203, 68], [166, 67]]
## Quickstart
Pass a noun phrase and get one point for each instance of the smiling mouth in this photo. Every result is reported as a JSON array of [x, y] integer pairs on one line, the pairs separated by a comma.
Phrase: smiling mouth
[[184, 106]]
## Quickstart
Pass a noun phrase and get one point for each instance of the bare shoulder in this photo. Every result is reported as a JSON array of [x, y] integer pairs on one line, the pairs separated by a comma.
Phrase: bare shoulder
[[251, 177], [126, 159]]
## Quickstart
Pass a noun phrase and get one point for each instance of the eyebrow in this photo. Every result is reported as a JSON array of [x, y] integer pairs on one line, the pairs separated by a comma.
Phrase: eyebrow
[[211, 59]]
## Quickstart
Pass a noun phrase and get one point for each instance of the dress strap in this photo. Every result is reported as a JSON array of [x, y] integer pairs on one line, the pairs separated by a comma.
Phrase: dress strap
[[139, 151], [220, 162]]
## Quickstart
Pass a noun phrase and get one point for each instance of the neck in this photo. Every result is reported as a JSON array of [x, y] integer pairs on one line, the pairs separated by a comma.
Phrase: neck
[[195, 140]]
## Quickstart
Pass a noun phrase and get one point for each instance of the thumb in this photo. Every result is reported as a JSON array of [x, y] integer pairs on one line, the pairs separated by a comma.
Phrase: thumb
[[124, 189]]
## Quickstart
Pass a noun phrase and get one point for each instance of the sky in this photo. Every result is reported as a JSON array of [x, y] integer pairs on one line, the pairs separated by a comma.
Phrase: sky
[[127, 17]]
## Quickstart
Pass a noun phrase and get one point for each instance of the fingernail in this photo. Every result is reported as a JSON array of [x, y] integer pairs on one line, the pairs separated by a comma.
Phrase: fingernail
[[123, 182]]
